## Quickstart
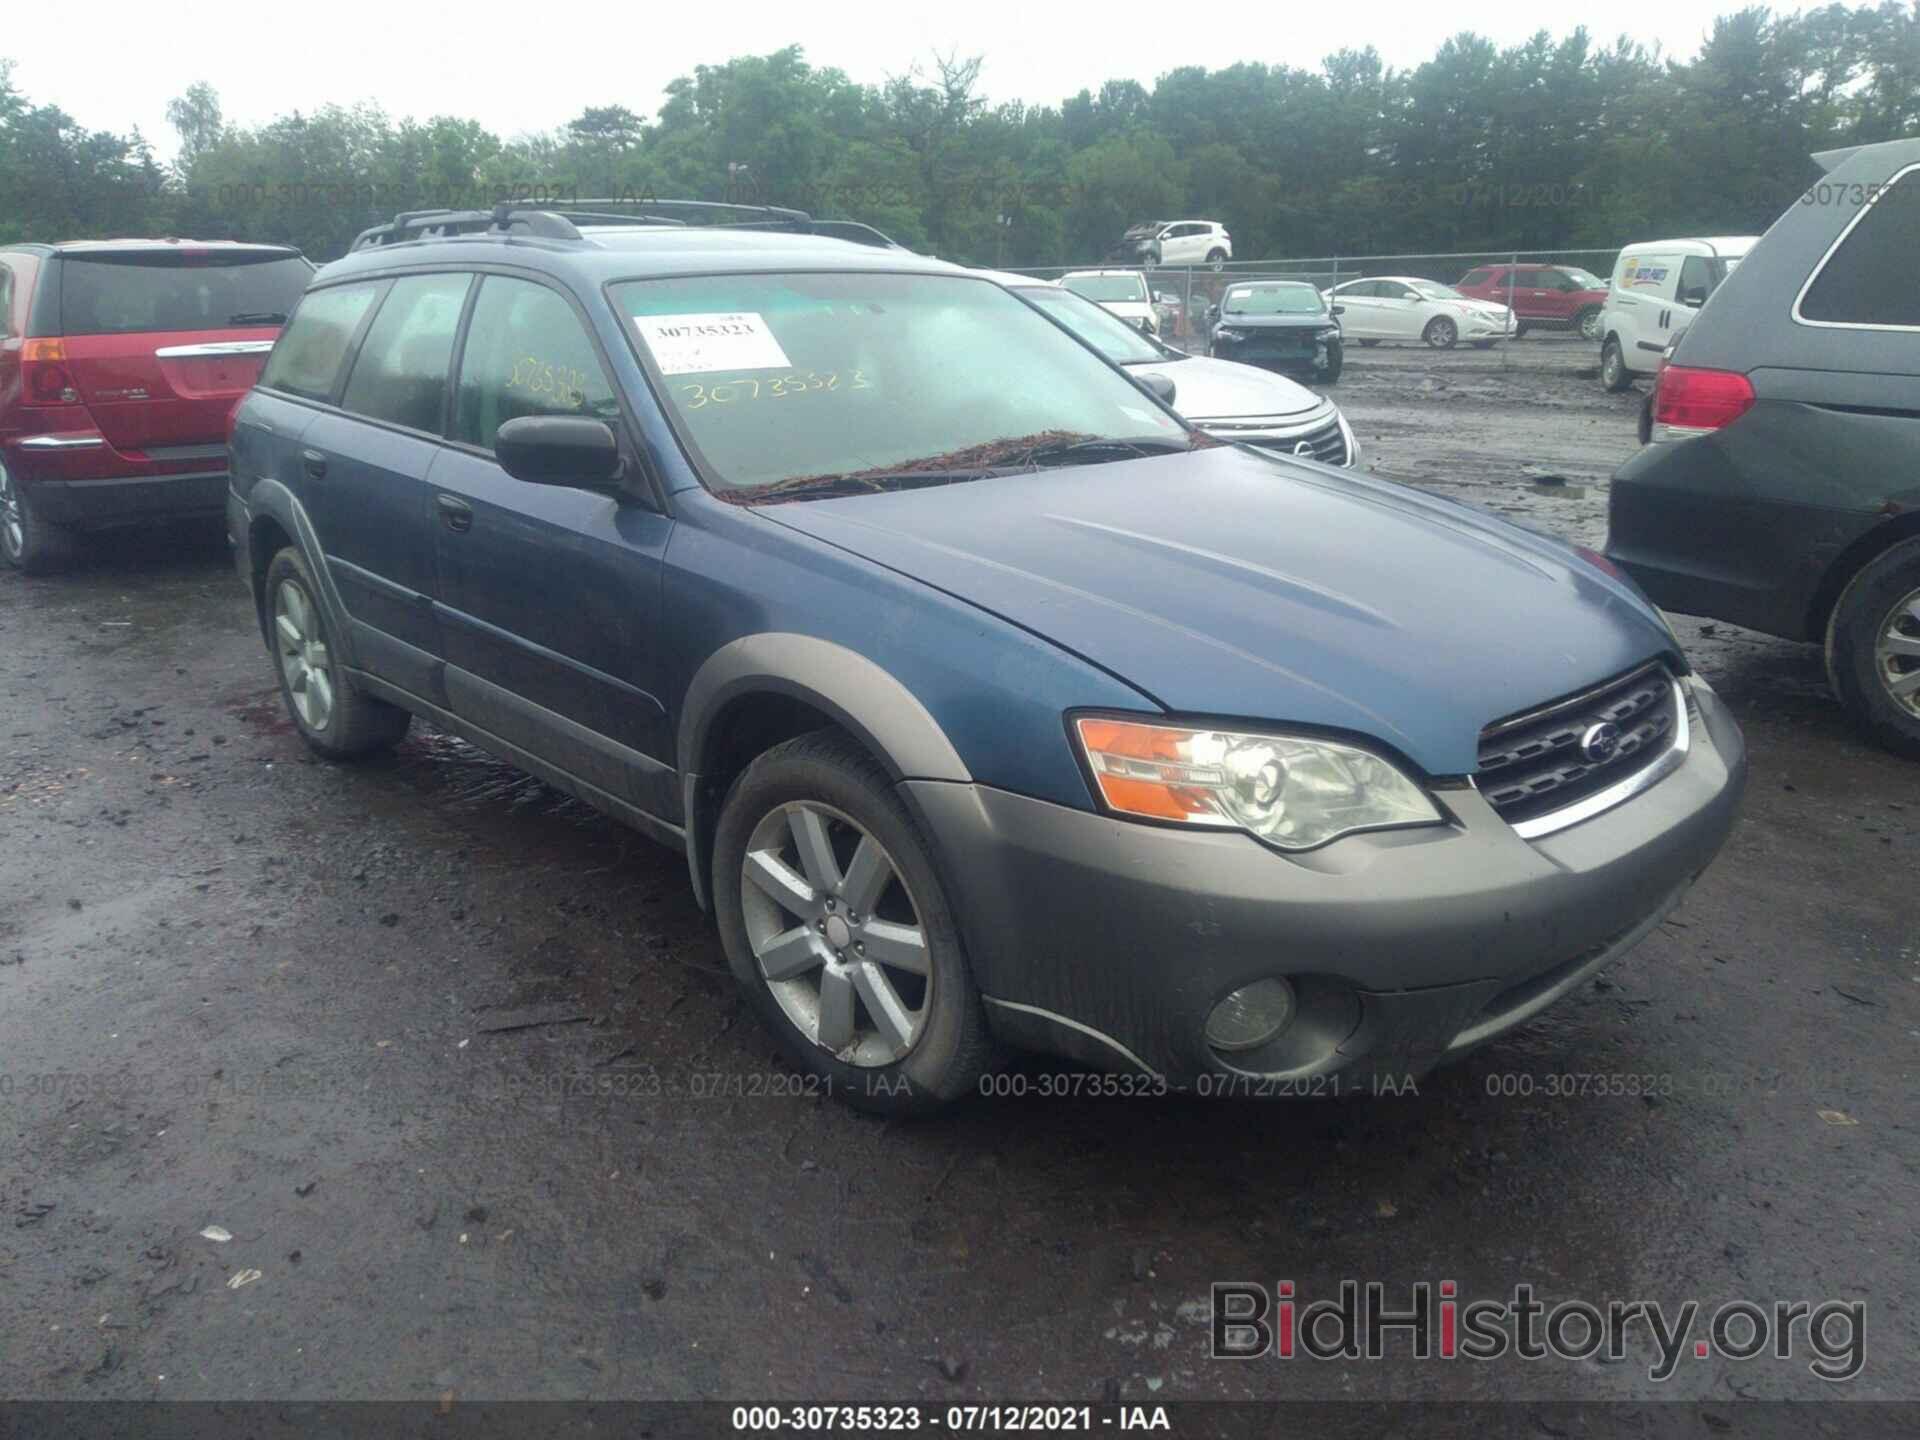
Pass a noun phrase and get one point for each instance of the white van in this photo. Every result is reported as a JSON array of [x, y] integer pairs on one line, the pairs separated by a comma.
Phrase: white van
[[1655, 290]]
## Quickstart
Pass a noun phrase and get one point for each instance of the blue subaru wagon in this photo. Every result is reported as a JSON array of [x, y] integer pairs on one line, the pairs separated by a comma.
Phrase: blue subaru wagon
[[992, 706]]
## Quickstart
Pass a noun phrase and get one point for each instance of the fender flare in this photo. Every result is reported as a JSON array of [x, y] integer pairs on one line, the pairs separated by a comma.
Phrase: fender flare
[[269, 499], [869, 702]]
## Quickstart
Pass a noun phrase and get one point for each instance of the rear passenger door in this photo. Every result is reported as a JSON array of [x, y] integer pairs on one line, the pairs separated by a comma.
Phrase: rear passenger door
[[364, 470], [551, 612]]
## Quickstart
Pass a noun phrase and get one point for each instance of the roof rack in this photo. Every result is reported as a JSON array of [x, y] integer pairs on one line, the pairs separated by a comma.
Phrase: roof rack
[[556, 223]]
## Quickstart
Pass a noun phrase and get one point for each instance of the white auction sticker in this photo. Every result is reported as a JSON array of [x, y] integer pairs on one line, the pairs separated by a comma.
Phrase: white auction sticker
[[696, 344]]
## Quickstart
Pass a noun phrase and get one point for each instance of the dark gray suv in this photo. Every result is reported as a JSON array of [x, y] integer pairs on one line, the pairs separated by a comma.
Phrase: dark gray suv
[[1781, 490]]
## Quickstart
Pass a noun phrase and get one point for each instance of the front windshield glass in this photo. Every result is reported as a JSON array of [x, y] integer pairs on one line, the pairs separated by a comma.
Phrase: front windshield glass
[[1286, 299], [1107, 287], [1102, 329], [856, 378], [1434, 290]]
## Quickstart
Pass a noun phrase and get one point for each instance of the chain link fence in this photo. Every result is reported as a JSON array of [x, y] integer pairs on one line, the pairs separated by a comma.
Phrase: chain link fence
[[1184, 294]]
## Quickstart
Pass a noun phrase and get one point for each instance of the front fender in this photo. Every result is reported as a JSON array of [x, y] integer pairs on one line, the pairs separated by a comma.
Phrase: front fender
[[866, 700]]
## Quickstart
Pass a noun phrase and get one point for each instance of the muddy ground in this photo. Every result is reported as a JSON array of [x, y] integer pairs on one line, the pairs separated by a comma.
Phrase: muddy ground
[[458, 1068]]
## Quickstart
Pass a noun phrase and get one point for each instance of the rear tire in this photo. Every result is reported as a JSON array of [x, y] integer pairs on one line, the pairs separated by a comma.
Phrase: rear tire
[[896, 1039], [1217, 259], [1873, 650], [1587, 322], [1441, 333], [1614, 375], [30, 544], [337, 719]]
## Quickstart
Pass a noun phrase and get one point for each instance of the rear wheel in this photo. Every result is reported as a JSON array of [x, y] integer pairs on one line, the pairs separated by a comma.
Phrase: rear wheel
[[1873, 649], [1587, 322], [333, 715], [1217, 258], [1614, 374], [28, 542], [1441, 333], [835, 922]]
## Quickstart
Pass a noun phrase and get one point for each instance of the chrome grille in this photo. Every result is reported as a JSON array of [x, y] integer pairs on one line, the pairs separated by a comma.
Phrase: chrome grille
[[1539, 762], [1324, 443]]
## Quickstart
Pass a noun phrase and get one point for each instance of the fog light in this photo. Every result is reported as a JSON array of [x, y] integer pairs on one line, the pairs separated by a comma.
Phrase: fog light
[[1251, 1015]]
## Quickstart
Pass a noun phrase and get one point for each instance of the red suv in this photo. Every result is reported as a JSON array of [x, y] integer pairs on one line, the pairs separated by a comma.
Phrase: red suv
[[120, 361], [1563, 297]]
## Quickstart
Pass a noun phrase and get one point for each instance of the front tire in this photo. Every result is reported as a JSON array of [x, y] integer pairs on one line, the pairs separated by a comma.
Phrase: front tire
[[1336, 362], [29, 543], [337, 719], [1441, 333], [835, 922], [1614, 375], [1873, 650]]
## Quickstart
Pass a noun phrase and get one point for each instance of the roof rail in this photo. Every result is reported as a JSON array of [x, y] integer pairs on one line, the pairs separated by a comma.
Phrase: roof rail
[[562, 223]]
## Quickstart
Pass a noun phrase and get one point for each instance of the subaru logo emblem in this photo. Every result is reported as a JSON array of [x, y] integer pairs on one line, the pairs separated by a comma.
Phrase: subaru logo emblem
[[1601, 743], [1305, 447]]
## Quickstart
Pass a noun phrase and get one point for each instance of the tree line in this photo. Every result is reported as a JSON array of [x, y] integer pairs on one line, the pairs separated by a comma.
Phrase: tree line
[[1548, 144]]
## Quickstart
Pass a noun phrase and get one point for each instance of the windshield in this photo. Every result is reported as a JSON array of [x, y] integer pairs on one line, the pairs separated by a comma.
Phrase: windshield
[[1434, 290], [1107, 287], [143, 290], [1152, 227], [1273, 300], [1102, 329], [794, 378]]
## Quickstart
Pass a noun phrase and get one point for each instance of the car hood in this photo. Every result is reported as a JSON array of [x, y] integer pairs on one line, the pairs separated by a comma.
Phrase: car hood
[[1225, 390], [1225, 583]]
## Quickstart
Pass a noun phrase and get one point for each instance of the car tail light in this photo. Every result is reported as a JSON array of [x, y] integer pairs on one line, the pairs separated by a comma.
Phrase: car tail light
[[1689, 398], [43, 373]]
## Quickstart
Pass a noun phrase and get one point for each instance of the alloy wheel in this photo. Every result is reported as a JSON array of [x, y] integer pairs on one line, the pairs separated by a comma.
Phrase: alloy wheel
[[13, 530], [304, 658], [836, 934], [1896, 654], [1610, 365], [1442, 333]]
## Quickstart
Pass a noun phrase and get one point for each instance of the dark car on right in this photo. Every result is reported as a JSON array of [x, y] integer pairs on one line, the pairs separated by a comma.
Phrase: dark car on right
[[1279, 325], [1781, 490]]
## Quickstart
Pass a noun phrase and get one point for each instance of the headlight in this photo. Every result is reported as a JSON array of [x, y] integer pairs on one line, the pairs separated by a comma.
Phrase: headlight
[[1292, 791], [1227, 332]]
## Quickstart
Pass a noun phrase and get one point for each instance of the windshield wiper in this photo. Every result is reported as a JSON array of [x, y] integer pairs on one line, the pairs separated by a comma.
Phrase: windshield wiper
[[867, 482], [1093, 451], [258, 317]]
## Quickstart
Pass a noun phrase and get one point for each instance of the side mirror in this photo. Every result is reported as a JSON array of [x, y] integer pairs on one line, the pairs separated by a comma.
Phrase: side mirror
[[567, 450], [1158, 386], [1213, 311], [1339, 310]]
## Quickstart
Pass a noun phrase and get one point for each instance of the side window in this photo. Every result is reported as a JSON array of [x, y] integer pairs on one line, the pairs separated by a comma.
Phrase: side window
[[526, 354], [401, 373], [1869, 279], [1397, 292], [1697, 279], [6, 301], [306, 360]]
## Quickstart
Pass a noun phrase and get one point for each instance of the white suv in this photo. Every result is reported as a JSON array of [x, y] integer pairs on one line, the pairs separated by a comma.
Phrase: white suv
[[1656, 289], [1179, 242]]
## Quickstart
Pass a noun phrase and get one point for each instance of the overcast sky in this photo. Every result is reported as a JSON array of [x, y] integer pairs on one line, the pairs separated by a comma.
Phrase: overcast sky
[[521, 67]]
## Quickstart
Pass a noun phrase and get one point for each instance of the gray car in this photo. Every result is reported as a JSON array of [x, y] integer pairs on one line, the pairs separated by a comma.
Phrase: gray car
[[1781, 490]]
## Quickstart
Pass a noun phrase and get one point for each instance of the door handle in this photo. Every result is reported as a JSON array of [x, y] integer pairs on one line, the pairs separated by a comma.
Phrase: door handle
[[314, 463], [455, 513]]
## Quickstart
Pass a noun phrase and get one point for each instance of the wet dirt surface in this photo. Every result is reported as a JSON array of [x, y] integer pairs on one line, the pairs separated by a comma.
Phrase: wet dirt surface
[[458, 1067]]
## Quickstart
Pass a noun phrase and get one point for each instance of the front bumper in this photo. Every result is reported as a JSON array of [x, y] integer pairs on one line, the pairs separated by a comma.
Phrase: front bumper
[[1110, 941]]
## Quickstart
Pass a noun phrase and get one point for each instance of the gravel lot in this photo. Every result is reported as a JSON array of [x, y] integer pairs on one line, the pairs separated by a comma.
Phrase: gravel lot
[[458, 1068]]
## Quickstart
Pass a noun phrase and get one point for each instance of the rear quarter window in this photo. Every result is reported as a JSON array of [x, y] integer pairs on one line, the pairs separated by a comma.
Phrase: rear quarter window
[[1476, 277], [170, 290], [1868, 279], [306, 360]]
